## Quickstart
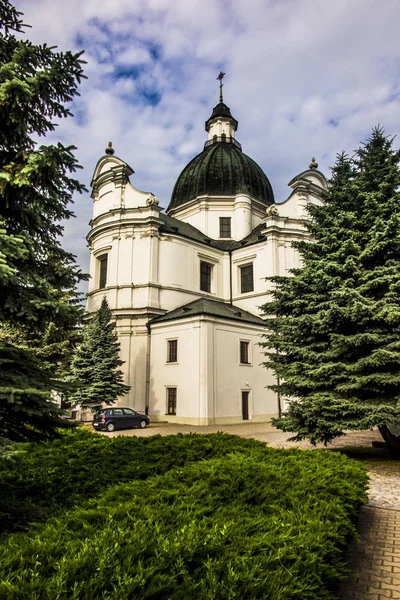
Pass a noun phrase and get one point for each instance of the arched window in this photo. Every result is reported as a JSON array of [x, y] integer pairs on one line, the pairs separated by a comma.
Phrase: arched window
[[223, 137]]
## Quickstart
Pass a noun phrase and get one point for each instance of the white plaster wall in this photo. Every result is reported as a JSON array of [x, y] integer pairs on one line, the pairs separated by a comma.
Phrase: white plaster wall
[[315, 178], [220, 126], [165, 273], [134, 198], [176, 263], [103, 245], [205, 214], [232, 377], [133, 338], [258, 256], [145, 270], [208, 375], [213, 215], [198, 217], [179, 269], [112, 189], [242, 220], [184, 374], [294, 207], [106, 201]]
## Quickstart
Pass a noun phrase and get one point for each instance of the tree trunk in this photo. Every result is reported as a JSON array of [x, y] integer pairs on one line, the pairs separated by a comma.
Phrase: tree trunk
[[392, 441]]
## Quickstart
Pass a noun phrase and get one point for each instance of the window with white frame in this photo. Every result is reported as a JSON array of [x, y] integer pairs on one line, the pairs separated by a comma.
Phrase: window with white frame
[[244, 352], [171, 400], [172, 351], [246, 278], [103, 266], [205, 276], [225, 227]]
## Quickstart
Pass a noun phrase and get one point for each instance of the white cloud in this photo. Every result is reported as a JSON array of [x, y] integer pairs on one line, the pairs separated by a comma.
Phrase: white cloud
[[304, 79], [136, 56]]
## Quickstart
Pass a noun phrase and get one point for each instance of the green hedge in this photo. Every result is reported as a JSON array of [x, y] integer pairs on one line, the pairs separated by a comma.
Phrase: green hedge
[[271, 524], [60, 474]]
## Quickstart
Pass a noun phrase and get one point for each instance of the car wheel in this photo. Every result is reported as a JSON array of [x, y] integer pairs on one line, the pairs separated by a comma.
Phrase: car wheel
[[143, 424], [110, 426]]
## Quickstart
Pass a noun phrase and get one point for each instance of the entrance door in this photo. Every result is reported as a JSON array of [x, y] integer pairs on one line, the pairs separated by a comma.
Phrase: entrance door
[[245, 406]]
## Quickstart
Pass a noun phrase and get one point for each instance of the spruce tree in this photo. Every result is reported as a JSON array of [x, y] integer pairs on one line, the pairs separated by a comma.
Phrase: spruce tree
[[95, 371], [38, 278], [334, 324]]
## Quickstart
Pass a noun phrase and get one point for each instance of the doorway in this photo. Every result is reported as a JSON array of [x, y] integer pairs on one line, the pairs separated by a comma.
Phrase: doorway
[[245, 406]]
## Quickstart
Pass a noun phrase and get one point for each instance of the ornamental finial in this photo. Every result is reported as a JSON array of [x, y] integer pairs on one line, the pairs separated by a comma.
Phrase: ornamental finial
[[313, 165], [109, 150], [220, 78]]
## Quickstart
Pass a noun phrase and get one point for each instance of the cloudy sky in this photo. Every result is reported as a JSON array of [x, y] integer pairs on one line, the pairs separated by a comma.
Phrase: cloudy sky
[[303, 78]]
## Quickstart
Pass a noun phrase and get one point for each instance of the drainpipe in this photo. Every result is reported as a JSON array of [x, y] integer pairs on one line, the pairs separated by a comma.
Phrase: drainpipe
[[230, 276], [147, 397], [279, 399], [279, 394]]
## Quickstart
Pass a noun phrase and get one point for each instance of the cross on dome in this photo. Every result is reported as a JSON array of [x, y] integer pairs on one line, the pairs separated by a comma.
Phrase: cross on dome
[[220, 78]]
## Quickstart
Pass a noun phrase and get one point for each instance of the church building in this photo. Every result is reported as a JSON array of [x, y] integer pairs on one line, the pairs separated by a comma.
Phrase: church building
[[185, 286]]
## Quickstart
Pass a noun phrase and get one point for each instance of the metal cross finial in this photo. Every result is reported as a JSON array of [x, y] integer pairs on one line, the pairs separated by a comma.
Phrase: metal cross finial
[[220, 78]]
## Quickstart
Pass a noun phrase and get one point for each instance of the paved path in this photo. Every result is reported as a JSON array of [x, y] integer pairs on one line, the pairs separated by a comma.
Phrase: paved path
[[375, 562]]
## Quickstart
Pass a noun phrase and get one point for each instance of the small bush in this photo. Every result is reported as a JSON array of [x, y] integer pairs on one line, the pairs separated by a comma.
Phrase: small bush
[[273, 524]]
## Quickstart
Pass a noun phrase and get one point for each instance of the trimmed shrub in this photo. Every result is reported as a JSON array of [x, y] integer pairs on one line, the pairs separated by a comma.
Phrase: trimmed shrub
[[65, 472], [273, 524]]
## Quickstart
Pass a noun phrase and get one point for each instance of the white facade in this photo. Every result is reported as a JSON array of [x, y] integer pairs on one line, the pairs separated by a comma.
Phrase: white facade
[[148, 265]]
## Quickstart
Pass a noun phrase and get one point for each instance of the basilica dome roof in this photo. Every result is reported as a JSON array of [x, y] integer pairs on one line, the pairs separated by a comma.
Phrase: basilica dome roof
[[222, 169]]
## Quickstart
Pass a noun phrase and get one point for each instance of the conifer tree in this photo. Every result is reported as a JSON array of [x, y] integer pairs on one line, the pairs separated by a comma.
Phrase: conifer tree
[[334, 325], [37, 277], [95, 371]]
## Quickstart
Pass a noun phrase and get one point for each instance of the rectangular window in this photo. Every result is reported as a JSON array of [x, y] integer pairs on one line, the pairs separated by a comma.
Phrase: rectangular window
[[205, 276], [246, 279], [224, 227], [172, 353], [171, 401], [244, 353], [103, 260]]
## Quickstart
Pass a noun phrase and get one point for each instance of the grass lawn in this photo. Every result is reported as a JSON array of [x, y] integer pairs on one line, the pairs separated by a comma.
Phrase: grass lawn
[[176, 517]]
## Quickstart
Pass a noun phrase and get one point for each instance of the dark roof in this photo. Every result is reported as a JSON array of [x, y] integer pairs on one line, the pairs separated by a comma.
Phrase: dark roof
[[221, 110], [214, 308], [222, 169], [174, 226]]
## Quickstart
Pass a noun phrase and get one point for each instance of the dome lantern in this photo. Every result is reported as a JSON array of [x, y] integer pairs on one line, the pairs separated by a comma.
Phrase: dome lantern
[[221, 126]]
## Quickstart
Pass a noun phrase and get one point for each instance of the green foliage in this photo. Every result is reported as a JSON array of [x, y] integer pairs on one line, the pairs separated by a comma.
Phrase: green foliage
[[38, 278], [252, 523], [95, 371], [334, 331], [65, 472], [10, 453]]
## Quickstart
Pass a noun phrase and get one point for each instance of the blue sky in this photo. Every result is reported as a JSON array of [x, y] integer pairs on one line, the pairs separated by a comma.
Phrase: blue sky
[[303, 78]]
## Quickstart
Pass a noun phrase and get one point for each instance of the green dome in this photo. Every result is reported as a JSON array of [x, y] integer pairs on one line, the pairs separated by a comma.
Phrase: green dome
[[222, 169]]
